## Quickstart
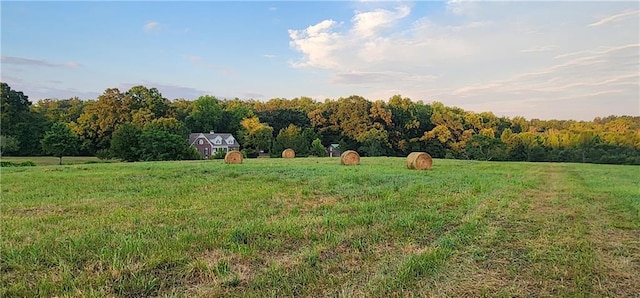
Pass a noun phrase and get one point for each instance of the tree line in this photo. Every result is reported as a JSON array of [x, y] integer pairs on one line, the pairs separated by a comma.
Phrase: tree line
[[141, 124]]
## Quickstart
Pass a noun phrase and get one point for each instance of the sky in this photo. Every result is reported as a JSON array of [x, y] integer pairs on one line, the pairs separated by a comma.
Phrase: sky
[[537, 59]]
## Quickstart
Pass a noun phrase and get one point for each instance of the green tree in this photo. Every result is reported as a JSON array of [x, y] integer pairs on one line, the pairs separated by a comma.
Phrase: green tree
[[374, 142], [60, 110], [158, 144], [483, 147], [18, 120], [125, 143], [149, 100], [60, 140], [8, 144], [233, 111], [171, 125], [100, 119], [180, 109], [255, 134], [317, 149], [290, 137], [281, 118], [206, 115]]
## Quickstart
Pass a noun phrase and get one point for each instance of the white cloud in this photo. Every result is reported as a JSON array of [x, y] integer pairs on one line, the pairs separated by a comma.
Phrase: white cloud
[[479, 55], [366, 24], [615, 18], [151, 25], [317, 43]]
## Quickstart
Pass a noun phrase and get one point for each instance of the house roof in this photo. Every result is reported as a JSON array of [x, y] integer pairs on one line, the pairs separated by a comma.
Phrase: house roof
[[212, 136]]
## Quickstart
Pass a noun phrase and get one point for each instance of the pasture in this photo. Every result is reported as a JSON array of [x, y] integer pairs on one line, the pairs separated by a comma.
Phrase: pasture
[[311, 227]]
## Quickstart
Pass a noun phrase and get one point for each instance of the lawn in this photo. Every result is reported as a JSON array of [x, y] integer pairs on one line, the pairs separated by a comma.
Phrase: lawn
[[311, 227]]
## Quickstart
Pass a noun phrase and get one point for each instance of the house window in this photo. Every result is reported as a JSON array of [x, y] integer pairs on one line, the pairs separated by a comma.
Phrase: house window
[[218, 141], [206, 151], [230, 141], [200, 142]]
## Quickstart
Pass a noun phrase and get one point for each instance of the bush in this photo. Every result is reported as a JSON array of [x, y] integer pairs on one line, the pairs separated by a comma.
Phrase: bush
[[27, 163], [250, 153], [103, 154], [219, 154]]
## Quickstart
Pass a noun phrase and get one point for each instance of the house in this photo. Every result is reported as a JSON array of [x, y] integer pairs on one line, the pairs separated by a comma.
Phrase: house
[[210, 143], [333, 150]]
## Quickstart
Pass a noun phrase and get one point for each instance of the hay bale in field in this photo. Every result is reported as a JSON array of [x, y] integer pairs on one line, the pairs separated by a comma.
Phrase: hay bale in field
[[233, 157], [349, 158], [288, 153], [419, 161]]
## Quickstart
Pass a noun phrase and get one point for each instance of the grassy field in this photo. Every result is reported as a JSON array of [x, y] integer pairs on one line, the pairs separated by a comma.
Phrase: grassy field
[[310, 227], [51, 160]]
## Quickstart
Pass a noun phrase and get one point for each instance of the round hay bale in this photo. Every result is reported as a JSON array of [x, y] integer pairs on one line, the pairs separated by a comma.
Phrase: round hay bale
[[419, 161], [288, 153], [233, 157], [349, 158]]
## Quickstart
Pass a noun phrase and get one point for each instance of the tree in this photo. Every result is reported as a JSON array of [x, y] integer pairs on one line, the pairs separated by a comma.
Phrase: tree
[[125, 142], [8, 144], [374, 142], [281, 118], [255, 134], [149, 100], [171, 125], [60, 140], [317, 149], [233, 111], [60, 110], [158, 144], [18, 120], [206, 115], [290, 137], [483, 147], [101, 118]]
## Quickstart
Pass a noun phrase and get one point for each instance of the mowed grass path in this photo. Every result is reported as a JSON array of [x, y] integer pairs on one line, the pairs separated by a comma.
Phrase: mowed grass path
[[310, 227]]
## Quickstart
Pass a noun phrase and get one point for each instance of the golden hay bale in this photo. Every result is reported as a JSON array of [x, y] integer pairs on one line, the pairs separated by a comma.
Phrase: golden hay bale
[[419, 161], [349, 158], [233, 157], [288, 153]]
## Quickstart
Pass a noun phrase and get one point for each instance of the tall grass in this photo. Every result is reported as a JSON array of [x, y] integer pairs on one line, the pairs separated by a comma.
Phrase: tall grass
[[310, 227]]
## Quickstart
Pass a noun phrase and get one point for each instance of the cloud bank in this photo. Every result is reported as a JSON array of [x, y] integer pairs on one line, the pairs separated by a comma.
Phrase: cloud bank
[[513, 58]]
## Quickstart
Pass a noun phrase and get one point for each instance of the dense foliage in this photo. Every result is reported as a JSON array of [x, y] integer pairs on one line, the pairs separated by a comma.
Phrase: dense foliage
[[118, 122]]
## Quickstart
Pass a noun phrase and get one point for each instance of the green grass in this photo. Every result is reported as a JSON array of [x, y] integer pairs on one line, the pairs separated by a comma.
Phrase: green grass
[[52, 160], [311, 227]]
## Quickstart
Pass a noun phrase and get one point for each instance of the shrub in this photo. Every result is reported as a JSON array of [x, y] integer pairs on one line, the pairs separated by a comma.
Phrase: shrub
[[219, 154], [103, 154], [27, 163], [249, 153]]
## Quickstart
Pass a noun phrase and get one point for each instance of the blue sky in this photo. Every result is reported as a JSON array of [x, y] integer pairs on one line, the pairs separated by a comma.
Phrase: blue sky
[[546, 60]]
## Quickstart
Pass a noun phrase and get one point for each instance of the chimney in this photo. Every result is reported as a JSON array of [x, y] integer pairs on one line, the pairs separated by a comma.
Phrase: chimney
[[211, 132]]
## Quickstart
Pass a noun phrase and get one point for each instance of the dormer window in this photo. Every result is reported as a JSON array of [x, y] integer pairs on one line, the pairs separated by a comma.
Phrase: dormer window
[[230, 141], [217, 141]]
